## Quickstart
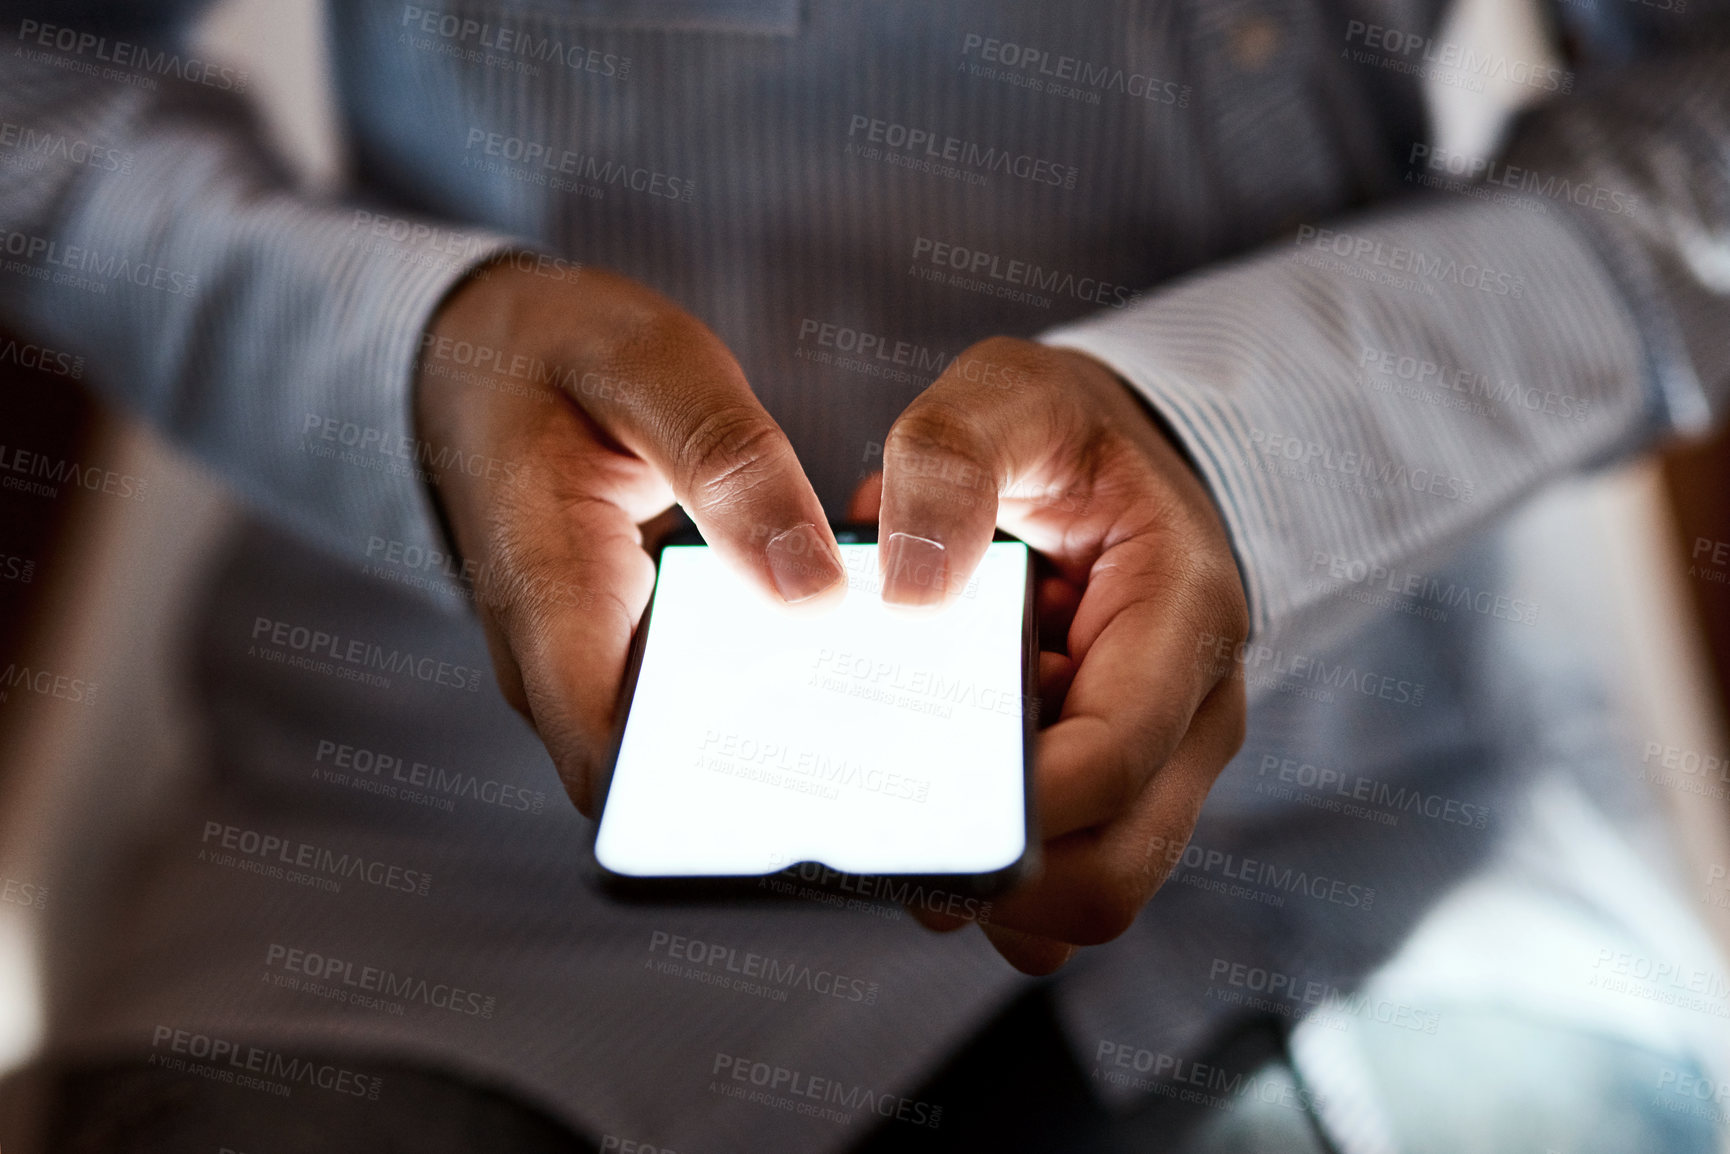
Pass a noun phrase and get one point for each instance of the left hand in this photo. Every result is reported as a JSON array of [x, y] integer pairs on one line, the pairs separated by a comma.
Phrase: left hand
[[1053, 447]]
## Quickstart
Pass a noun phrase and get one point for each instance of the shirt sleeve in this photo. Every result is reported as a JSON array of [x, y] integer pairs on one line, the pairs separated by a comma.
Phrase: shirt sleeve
[[145, 226], [1372, 389]]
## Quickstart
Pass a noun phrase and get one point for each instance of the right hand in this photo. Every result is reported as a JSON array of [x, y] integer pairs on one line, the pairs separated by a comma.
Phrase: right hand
[[620, 404]]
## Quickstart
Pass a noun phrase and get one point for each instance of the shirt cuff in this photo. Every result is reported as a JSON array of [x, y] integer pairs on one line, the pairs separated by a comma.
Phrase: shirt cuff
[[274, 337], [1372, 390]]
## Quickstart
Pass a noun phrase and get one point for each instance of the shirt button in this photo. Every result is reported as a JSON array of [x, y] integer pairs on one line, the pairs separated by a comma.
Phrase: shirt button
[[1253, 43]]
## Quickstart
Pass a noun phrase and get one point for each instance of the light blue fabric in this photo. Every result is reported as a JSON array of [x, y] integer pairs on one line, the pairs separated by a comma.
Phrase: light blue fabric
[[1421, 691]]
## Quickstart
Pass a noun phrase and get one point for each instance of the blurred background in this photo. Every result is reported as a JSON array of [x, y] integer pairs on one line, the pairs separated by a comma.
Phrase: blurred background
[[96, 588]]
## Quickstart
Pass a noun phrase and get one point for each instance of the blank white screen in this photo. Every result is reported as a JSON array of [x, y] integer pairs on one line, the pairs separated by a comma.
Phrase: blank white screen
[[870, 739]]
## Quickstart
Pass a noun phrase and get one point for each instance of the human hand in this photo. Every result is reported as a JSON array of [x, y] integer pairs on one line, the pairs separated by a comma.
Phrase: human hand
[[1053, 447], [606, 403]]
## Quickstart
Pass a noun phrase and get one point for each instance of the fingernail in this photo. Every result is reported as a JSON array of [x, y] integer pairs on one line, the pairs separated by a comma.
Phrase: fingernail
[[915, 570], [802, 563]]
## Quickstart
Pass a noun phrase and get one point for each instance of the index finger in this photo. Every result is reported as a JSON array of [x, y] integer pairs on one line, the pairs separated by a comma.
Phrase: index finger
[[671, 392]]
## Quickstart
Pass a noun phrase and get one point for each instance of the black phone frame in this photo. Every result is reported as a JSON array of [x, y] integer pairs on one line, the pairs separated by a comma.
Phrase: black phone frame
[[762, 888]]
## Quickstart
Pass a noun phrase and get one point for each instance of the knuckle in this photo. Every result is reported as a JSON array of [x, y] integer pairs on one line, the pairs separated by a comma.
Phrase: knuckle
[[659, 341], [504, 586], [1010, 364], [935, 442], [502, 596], [726, 453], [930, 424], [523, 591]]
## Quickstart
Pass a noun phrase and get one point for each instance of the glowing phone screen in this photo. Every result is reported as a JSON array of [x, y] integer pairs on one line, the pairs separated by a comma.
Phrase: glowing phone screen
[[869, 739]]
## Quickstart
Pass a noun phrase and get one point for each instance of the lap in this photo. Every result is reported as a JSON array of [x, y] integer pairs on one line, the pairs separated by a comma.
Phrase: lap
[[1548, 1005], [1493, 1083], [138, 1108]]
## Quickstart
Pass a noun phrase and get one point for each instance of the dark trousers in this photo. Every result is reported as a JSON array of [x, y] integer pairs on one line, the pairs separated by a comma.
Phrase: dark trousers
[[1015, 1087]]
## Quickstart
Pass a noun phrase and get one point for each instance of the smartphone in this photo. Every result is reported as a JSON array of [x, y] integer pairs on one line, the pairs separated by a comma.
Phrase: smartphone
[[865, 741]]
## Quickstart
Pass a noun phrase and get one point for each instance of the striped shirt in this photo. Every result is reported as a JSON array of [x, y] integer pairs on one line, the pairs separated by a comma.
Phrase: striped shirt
[[1370, 351]]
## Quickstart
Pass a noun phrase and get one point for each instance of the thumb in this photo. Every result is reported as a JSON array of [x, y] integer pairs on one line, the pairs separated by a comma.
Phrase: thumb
[[949, 455]]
